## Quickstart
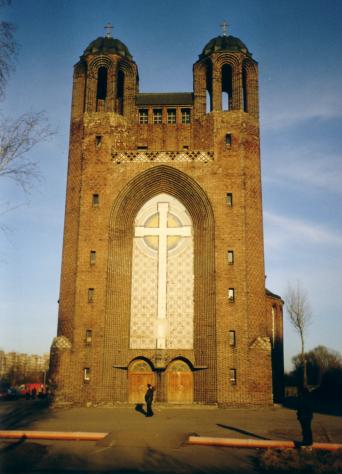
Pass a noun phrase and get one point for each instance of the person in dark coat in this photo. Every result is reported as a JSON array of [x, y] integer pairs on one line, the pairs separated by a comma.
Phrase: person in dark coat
[[305, 415], [149, 400]]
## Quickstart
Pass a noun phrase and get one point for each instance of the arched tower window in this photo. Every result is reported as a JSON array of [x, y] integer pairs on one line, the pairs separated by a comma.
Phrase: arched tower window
[[120, 91], [209, 88], [227, 82], [244, 89], [162, 276], [102, 74]]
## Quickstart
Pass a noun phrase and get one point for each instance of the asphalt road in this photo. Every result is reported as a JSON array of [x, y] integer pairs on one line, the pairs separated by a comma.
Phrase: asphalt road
[[136, 444]]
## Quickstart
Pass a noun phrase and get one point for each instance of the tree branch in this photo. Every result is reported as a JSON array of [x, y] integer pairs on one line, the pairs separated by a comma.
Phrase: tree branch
[[17, 138]]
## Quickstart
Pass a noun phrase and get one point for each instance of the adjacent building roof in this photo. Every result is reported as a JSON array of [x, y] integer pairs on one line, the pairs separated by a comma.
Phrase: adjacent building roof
[[224, 43], [273, 295], [108, 45], [165, 98]]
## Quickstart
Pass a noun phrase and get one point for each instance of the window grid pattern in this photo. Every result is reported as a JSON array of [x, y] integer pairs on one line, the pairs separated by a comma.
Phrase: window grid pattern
[[185, 116], [143, 116], [171, 116], [157, 116]]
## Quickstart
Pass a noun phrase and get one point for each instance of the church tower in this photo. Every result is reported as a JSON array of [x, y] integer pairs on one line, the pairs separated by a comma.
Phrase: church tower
[[163, 264]]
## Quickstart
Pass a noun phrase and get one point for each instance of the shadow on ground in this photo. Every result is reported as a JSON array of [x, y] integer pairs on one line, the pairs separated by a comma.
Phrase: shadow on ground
[[238, 430], [21, 414], [27, 457]]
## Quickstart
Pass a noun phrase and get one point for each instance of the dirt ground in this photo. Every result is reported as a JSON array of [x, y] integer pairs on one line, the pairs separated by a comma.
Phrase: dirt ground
[[136, 444]]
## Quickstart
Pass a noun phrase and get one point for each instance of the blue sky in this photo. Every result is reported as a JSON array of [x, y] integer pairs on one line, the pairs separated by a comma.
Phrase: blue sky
[[298, 47]]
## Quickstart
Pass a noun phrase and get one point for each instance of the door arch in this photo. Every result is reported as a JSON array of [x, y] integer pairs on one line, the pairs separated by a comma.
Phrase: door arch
[[179, 382], [139, 375]]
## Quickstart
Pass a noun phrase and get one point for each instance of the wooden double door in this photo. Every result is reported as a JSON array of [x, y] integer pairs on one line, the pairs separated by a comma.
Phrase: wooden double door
[[139, 375], [178, 380]]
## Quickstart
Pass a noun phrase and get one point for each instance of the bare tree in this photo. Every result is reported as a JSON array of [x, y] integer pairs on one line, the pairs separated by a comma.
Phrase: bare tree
[[17, 138], [8, 48], [299, 311]]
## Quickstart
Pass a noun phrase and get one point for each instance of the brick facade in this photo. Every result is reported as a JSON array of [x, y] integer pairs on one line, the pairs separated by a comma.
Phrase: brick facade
[[120, 157]]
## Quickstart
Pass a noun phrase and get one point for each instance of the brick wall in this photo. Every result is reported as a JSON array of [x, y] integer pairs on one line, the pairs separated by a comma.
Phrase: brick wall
[[104, 160]]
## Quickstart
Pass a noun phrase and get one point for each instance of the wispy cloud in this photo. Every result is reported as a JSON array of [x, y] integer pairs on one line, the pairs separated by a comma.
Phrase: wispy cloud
[[300, 102], [282, 230], [306, 165]]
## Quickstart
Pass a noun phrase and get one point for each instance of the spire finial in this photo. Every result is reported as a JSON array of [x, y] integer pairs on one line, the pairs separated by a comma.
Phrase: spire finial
[[108, 29], [224, 27]]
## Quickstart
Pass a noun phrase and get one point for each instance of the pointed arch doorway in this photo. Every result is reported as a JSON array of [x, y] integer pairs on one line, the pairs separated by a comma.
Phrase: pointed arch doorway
[[117, 337], [179, 382]]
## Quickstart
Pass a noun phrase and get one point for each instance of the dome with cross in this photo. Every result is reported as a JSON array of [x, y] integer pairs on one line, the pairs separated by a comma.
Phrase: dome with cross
[[107, 45], [224, 43]]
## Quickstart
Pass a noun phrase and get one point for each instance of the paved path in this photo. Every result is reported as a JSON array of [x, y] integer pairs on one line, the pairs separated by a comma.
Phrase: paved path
[[147, 445]]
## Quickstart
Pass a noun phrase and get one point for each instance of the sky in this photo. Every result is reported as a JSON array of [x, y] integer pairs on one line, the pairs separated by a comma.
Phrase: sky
[[298, 47]]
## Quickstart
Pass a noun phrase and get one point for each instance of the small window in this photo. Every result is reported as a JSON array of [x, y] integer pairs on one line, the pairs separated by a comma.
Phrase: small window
[[229, 199], [86, 374], [232, 376], [98, 140], [96, 200], [231, 295], [143, 116], [91, 293], [230, 257], [232, 339], [185, 147], [157, 116], [185, 115], [171, 116], [88, 336], [228, 139], [92, 257], [142, 147]]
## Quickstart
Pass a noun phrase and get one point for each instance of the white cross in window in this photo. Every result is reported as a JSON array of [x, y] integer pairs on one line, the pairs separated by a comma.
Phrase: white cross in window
[[162, 232]]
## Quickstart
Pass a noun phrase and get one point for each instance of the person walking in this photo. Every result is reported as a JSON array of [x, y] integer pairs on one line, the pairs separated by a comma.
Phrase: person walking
[[305, 415], [149, 400]]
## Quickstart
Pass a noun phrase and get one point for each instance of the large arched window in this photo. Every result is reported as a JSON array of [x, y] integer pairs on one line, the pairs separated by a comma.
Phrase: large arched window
[[162, 276]]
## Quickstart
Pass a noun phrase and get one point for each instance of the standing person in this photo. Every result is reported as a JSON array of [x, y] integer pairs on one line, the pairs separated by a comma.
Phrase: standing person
[[305, 415], [149, 400]]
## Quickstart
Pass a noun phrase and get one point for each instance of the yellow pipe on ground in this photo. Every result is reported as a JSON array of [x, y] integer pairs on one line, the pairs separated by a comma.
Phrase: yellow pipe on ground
[[58, 435], [256, 443]]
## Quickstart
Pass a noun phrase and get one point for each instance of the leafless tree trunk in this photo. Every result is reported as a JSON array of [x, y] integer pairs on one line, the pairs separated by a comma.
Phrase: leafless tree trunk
[[299, 311]]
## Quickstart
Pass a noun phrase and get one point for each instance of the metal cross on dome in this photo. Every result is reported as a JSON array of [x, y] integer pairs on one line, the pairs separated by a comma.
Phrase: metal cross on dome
[[108, 29], [224, 27]]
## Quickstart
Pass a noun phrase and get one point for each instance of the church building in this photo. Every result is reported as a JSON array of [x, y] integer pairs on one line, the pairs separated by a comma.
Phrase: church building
[[163, 278]]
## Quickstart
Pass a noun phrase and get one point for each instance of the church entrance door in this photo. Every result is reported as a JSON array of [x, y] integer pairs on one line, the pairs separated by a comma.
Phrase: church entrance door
[[139, 375], [179, 379]]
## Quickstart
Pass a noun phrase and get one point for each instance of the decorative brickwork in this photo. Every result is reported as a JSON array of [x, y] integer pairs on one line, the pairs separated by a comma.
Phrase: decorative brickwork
[[162, 156], [166, 320]]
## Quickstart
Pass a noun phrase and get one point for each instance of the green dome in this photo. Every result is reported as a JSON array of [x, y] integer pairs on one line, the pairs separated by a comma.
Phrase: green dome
[[223, 43], [107, 45]]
